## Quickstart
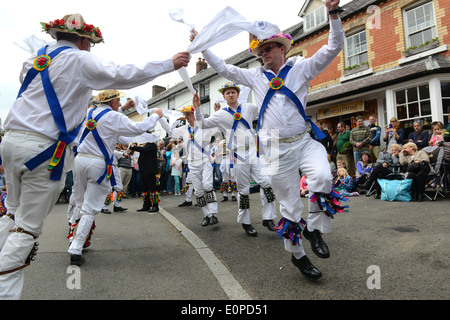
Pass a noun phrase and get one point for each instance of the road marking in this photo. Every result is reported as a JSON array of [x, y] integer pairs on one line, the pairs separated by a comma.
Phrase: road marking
[[229, 284]]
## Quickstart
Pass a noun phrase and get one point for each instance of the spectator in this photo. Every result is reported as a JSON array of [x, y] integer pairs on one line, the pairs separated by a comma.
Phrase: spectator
[[360, 139], [327, 142], [304, 192], [419, 137], [344, 149], [418, 167], [363, 170], [169, 178], [387, 163], [375, 135], [345, 186], [438, 133], [161, 166], [394, 134]]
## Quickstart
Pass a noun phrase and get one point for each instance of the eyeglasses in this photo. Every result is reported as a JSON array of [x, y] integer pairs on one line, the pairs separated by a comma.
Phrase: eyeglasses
[[267, 49]]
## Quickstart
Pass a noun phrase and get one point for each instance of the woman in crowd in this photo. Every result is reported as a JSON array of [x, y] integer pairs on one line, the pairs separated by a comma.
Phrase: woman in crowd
[[363, 170], [418, 167], [394, 134]]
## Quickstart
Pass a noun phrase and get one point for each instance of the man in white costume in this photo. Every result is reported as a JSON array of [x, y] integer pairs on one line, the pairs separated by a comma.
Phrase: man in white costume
[[280, 88], [196, 146], [40, 127], [93, 172], [235, 121]]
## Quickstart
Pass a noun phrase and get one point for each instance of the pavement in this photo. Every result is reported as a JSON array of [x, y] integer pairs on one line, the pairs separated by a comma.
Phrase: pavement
[[380, 250]]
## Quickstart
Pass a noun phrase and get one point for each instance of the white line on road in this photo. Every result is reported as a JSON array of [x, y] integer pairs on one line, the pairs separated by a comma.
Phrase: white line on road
[[229, 284]]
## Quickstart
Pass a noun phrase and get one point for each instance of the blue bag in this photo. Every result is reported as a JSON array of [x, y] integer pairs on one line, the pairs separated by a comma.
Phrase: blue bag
[[395, 190]]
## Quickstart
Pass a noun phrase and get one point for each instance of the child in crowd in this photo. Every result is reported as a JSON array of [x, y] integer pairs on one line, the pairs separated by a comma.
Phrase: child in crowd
[[345, 186], [304, 192], [177, 164]]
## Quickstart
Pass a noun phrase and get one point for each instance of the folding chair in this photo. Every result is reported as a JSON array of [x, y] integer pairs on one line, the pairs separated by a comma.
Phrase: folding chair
[[437, 179]]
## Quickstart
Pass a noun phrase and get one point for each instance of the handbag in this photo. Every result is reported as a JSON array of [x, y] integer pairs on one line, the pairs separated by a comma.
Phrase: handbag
[[395, 190]]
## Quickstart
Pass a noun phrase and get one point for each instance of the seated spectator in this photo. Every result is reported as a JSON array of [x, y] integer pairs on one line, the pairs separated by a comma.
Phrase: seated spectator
[[332, 166], [363, 170], [438, 134], [419, 137], [345, 186], [418, 167], [387, 163]]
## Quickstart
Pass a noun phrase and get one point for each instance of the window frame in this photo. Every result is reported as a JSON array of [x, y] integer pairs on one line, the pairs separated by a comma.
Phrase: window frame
[[433, 27]]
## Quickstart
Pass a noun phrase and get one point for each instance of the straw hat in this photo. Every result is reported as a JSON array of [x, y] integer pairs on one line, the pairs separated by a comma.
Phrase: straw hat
[[284, 39], [108, 95], [73, 23], [229, 85]]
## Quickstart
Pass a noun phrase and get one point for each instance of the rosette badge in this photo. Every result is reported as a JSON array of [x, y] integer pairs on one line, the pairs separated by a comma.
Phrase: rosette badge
[[41, 62], [276, 83]]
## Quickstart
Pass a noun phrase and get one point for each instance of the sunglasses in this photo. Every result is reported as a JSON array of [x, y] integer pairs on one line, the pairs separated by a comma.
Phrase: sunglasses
[[267, 49]]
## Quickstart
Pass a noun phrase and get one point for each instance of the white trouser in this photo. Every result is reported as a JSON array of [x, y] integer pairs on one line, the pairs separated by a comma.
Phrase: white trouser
[[201, 176], [190, 189], [31, 197], [119, 186], [88, 196], [309, 156], [228, 173], [243, 170]]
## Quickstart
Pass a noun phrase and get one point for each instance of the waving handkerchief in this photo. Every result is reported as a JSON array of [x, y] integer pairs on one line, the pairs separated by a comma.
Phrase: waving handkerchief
[[141, 106], [227, 24], [145, 137]]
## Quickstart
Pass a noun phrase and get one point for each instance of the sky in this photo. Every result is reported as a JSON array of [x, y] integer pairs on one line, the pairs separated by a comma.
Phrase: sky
[[135, 31]]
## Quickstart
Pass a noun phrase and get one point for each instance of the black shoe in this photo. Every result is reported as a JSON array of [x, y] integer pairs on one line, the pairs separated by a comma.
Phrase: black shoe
[[213, 220], [106, 211], [419, 197], [269, 225], [143, 209], [185, 204], [233, 198], [377, 195], [206, 221], [76, 260], [250, 230], [306, 267], [119, 209], [318, 246], [154, 209], [225, 198]]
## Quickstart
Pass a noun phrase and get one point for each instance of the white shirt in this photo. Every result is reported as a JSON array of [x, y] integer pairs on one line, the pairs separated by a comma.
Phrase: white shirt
[[111, 127], [202, 138], [223, 120], [282, 115], [74, 75]]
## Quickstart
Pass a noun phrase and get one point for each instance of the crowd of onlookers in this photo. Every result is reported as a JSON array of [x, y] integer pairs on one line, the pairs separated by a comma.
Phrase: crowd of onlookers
[[357, 160]]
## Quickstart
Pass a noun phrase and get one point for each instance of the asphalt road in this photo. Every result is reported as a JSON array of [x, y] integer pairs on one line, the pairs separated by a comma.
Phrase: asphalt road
[[379, 251]]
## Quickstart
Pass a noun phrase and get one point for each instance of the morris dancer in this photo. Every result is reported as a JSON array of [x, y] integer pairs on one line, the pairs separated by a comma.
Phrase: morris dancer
[[199, 162], [40, 126], [93, 175], [235, 121], [285, 119]]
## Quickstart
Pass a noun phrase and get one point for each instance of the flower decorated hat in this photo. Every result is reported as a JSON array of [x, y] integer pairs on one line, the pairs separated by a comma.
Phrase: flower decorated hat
[[188, 109], [282, 38], [229, 85], [108, 95], [73, 23]]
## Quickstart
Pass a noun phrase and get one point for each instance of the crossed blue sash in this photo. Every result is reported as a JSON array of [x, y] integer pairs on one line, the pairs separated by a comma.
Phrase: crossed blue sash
[[282, 88], [98, 139], [64, 138], [195, 143]]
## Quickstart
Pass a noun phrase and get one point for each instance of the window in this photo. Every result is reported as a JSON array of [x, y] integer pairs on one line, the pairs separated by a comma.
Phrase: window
[[420, 25], [445, 91], [413, 104], [171, 103], [356, 49], [315, 18]]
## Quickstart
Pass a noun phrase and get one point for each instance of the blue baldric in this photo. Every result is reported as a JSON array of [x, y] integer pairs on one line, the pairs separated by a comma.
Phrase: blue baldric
[[57, 151], [91, 126], [277, 84]]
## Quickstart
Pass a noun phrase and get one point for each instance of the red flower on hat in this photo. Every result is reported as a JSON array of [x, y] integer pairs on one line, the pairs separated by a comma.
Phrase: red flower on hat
[[98, 33], [88, 27]]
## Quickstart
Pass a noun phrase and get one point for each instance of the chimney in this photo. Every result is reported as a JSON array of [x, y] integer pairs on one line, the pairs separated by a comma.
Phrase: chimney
[[157, 90], [201, 65]]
